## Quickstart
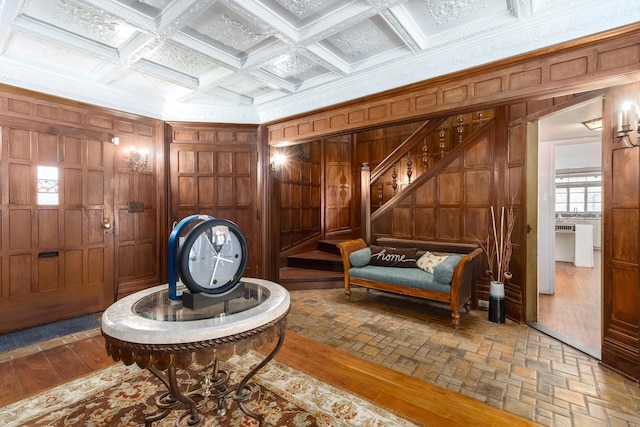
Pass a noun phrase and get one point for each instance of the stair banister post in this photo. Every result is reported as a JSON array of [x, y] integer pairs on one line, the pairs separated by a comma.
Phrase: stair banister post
[[365, 206]]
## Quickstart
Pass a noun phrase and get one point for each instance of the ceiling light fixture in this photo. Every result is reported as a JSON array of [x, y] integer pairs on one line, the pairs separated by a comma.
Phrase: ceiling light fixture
[[594, 124]]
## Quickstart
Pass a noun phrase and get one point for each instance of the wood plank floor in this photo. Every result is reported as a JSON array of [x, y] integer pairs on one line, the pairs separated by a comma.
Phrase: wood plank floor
[[418, 401], [575, 310], [25, 376]]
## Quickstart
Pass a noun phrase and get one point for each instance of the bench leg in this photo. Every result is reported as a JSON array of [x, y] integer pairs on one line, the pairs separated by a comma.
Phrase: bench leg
[[455, 318]]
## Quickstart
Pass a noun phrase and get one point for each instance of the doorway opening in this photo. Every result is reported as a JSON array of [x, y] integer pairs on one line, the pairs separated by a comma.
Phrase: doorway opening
[[569, 227]]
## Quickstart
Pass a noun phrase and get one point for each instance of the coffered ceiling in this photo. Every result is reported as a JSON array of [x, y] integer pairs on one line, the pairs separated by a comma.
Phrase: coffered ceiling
[[254, 61]]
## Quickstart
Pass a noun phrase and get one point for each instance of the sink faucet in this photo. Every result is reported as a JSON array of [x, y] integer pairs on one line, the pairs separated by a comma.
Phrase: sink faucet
[[575, 210]]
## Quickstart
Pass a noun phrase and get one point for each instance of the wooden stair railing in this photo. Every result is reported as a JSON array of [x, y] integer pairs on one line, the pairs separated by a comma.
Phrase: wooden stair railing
[[407, 145], [367, 176]]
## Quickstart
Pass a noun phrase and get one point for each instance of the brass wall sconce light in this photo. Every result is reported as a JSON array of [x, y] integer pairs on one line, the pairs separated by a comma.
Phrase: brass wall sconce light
[[277, 162], [137, 159], [628, 122]]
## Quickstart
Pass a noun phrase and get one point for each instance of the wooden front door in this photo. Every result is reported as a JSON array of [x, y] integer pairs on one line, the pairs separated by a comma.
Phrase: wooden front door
[[56, 235]]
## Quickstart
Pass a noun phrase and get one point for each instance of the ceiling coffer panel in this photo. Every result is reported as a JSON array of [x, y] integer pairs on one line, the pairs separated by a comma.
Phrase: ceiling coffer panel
[[269, 58]]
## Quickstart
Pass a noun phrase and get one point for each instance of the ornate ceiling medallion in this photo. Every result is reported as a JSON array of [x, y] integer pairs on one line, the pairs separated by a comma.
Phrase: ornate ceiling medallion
[[291, 66], [361, 41], [444, 10], [232, 33], [86, 19], [301, 7], [178, 58]]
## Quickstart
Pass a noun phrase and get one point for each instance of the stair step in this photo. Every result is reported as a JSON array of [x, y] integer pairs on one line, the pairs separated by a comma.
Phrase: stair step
[[329, 246], [316, 260], [292, 278]]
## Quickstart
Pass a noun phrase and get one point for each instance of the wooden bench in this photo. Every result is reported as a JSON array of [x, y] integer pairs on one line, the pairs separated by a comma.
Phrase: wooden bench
[[458, 294]]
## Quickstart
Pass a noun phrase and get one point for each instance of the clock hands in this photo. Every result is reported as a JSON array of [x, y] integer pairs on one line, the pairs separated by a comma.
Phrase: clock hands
[[215, 268], [219, 259]]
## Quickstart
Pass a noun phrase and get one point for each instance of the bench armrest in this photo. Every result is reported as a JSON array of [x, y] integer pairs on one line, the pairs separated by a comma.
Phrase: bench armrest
[[464, 278], [345, 249]]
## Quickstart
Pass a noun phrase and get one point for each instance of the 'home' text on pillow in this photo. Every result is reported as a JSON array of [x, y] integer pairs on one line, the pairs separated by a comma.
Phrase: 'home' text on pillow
[[392, 257]]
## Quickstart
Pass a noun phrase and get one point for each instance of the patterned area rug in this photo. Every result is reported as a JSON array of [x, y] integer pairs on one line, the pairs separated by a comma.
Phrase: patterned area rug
[[123, 396]]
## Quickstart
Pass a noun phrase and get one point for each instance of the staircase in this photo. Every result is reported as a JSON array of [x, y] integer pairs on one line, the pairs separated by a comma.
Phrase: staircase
[[317, 269]]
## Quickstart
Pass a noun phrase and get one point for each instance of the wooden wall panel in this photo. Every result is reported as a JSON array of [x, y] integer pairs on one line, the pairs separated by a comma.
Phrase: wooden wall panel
[[20, 230], [77, 137], [621, 242], [338, 185], [214, 171], [20, 271], [440, 201], [35, 237], [48, 274], [48, 229], [571, 67], [72, 186], [140, 233], [303, 203], [73, 268], [20, 184]]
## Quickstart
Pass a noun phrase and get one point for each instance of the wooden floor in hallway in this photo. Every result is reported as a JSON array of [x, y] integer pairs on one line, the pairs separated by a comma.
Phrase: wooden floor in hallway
[[422, 403], [574, 311]]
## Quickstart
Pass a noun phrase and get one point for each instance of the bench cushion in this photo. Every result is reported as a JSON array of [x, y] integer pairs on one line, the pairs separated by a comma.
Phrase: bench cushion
[[443, 272], [413, 277], [361, 257]]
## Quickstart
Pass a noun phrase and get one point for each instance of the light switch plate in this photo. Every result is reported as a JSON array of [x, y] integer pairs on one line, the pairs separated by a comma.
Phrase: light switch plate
[[136, 207]]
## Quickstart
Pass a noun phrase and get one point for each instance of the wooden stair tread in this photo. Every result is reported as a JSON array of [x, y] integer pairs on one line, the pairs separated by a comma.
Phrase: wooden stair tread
[[289, 273], [319, 255], [304, 278], [318, 260]]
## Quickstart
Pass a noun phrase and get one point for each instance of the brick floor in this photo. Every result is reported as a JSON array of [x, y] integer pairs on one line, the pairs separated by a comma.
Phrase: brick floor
[[509, 366]]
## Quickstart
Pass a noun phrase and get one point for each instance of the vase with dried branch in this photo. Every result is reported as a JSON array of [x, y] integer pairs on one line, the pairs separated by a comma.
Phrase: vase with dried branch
[[498, 246]]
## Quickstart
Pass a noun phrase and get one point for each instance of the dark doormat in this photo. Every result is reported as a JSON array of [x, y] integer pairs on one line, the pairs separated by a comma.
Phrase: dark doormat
[[46, 332]]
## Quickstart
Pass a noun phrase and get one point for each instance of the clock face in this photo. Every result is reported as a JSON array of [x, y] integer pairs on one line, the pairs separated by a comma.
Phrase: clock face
[[213, 257]]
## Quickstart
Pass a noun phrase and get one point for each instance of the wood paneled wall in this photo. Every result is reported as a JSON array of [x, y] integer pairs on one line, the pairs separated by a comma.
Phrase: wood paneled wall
[[452, 201], [214, 171], [140, 234], [339, 213], [595, 62], [300, 182], [59, 261], [621, 241], [524, 85]]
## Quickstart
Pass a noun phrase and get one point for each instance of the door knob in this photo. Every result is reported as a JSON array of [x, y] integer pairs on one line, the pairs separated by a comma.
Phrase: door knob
[[106, 224]]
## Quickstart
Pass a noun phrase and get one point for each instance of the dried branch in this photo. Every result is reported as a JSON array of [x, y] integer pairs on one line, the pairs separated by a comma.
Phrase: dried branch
[[501, 248]]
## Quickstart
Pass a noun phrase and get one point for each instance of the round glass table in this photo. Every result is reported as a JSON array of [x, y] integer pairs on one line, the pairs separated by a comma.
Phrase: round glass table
[[148, 329]]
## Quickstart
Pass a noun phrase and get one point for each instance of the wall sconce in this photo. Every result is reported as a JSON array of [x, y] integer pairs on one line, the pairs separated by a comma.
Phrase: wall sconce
[[115, 140], [628, 122], [277, 161], [137, 159]]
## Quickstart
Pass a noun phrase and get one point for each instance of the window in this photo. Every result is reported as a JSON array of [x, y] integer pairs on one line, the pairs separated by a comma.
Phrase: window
[[47, 185], [579, 192]]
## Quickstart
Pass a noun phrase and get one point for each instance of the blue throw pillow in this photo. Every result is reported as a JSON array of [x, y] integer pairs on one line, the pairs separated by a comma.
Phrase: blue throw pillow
[[360, 258], [443, 272]]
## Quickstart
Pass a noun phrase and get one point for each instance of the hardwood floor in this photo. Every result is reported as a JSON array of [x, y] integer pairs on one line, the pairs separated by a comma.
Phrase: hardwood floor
[[25, 376], [574, 312], [416, 400]]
